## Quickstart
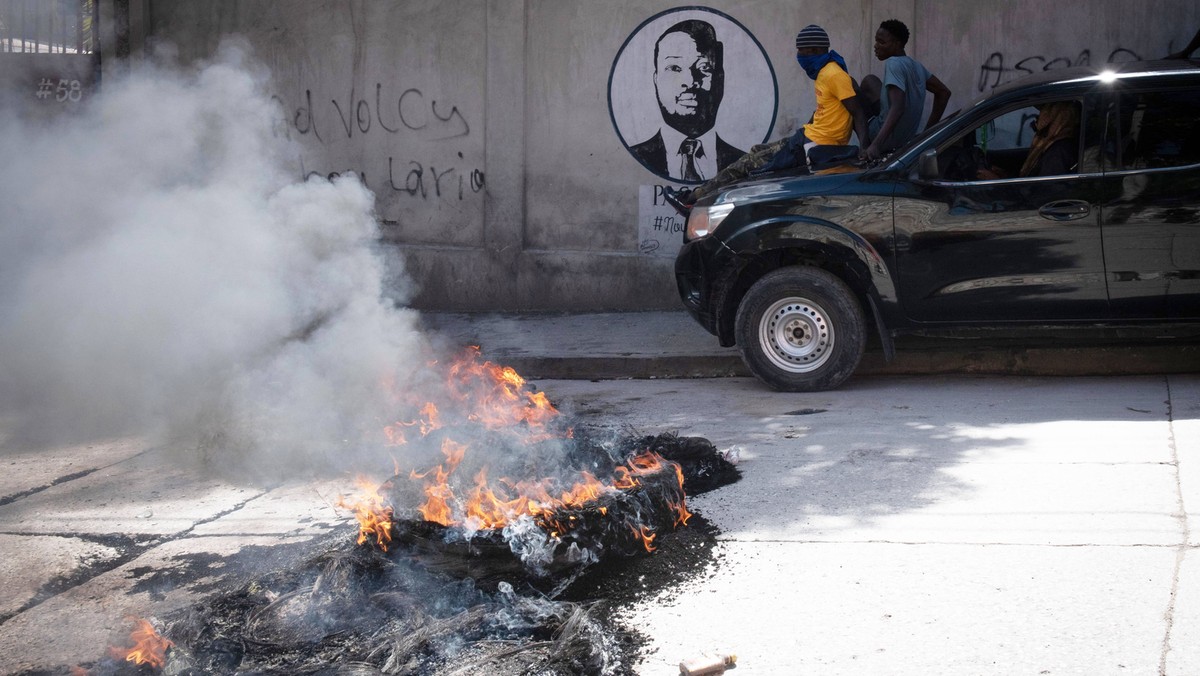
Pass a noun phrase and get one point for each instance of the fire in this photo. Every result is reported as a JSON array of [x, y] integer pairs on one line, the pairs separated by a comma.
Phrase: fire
[[480, 394], [503, 401], [488, 506], [681, 511], [646, 535], [428, 422], [495, 397], [646, 463], [373, 513], [148, 647]]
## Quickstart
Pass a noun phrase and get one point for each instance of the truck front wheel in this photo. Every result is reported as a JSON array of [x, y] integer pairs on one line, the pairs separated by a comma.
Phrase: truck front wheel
[[801, 329]]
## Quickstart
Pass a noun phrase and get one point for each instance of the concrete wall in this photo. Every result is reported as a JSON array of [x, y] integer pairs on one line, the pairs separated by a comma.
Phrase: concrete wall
[[505, 179], [49, 58]]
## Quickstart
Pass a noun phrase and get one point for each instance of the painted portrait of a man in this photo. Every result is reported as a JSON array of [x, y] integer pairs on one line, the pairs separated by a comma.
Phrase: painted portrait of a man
[[688, 90], [689, 84]]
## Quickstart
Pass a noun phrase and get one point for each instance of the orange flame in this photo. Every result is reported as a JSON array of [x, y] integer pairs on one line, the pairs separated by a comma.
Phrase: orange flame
[[481, 392], [503, 401], [148, 647], [647, 536], [498, 399], [681, 511], [395, 435], [373, 513], [488, 506], [428, 422]]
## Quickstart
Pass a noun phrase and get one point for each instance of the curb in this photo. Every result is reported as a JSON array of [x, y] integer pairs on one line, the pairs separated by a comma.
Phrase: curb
[[1012, 361]]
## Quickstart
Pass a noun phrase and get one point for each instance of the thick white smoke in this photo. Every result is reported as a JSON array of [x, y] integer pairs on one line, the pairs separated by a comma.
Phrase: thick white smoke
[[163, 272]]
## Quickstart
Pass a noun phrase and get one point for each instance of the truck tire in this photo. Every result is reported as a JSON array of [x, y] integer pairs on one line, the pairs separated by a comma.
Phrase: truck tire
[[801, 329]]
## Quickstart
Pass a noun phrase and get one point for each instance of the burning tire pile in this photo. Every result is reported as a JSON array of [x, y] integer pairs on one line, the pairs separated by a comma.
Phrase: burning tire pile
[[453, 573]]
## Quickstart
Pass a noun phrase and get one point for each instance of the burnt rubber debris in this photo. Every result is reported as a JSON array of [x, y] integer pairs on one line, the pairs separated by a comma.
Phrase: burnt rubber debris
[[532, 596]]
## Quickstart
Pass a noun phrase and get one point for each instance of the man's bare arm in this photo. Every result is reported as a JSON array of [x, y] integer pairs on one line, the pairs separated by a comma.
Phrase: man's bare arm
[[896, 105], [860, 122], [941, 96]]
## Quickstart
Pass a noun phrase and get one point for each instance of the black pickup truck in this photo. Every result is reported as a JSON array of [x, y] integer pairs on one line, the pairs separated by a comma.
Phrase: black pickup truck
[[959, 229]]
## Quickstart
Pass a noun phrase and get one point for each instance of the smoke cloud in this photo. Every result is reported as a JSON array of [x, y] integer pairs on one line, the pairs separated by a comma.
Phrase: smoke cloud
[[163, 272]]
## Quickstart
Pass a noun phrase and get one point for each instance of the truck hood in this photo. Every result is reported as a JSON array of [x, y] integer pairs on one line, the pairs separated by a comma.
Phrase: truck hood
[[789, 187]]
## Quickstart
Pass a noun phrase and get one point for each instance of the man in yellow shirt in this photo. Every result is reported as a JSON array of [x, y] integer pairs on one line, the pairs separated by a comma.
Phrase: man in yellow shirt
[[838, 110], [838, 114]]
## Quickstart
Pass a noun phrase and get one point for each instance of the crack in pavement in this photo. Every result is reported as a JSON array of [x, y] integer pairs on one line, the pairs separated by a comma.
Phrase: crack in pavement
[[9, 499], [1185, 534], [129, 548]]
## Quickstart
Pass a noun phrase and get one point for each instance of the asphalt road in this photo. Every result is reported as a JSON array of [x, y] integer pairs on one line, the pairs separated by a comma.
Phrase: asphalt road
[[938, 525], [900, 525]]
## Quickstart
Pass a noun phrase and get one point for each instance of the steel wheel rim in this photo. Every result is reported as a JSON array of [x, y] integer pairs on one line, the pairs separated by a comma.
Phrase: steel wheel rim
[[796, 335]]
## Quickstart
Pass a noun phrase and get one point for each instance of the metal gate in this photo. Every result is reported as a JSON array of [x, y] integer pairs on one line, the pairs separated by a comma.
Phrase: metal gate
[[48, 26], [49, 54]]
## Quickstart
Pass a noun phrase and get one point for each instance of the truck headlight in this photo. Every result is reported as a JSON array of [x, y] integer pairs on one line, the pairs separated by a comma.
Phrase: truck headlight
[[703, 220]]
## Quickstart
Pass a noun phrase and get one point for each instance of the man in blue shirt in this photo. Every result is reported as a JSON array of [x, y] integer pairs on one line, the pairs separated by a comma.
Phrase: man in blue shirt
[[901, 95]]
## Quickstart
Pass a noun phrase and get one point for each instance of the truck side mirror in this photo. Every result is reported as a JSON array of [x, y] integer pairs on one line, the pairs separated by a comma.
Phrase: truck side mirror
[[927, 166]]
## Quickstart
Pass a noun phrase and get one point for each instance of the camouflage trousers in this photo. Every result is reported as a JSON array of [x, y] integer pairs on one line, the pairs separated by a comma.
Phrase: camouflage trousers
[[756, 158]]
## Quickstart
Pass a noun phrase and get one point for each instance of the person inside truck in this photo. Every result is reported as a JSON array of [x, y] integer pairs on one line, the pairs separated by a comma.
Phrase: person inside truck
[[1055, 147]]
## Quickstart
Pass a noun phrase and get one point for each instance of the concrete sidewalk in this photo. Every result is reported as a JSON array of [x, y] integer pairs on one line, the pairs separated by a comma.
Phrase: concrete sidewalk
[[670, 344]]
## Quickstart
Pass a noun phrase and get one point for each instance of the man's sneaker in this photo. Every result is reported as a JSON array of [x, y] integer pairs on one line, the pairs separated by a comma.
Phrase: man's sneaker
[[678, 199]]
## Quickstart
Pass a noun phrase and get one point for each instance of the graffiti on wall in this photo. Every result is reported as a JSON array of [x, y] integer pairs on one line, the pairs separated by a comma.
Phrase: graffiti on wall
[[689, 91], [408, 115], [415, 179], [999, 68], [660, 228], [67, 90], [411, 110]]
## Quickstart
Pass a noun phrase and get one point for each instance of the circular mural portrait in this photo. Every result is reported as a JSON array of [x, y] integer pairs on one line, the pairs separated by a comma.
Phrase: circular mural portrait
[[690, 91]]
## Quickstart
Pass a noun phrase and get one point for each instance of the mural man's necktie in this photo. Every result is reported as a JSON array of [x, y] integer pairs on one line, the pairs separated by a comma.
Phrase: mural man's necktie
[[690, 149]]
